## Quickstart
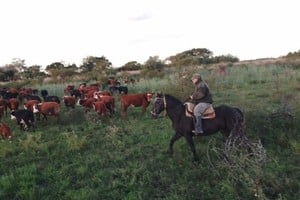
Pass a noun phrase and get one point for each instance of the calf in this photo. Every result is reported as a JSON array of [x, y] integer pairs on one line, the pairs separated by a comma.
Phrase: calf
[[5, 131], [100, 108], [13, 104], [109, 102], [69, 101], [24, 118], [135, 100], [47, 108]]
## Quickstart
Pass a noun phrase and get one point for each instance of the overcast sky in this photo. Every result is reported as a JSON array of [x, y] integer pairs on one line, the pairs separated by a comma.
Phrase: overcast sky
[[45, 31]]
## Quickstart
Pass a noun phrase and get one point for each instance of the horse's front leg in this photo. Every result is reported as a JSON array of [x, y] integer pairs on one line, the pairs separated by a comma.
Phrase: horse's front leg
[[175, 137], [190, 141]]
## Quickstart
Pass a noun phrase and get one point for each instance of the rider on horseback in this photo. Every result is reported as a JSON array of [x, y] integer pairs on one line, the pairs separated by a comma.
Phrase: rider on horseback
[[202, 98]]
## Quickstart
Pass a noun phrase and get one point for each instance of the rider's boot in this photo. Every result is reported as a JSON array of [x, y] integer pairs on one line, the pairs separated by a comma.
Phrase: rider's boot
[[198, 126]]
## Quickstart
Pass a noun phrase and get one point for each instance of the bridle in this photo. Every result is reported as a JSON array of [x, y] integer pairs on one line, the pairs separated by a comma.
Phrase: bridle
[[165, 105]]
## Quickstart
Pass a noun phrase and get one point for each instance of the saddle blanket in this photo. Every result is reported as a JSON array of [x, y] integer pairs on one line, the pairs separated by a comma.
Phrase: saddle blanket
[[209, 113]]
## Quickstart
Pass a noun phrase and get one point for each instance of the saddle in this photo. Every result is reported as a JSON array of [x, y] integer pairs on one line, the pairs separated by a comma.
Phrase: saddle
[[209, 113]]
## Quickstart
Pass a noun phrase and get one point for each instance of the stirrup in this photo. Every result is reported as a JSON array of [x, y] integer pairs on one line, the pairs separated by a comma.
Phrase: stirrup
[[197, 133]]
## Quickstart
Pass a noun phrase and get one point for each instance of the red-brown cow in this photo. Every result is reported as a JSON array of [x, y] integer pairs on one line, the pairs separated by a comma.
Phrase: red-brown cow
[[135, 100], [90, 93], [5, 131], [86, 89], [4, 102], [87, 103], [69, 101], [47, 108], [109, 102], [1, 111], [13, 104], [28, 105], [100, 108]]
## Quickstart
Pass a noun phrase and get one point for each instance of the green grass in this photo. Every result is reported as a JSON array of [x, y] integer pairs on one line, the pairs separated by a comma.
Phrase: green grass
[[82, 156]]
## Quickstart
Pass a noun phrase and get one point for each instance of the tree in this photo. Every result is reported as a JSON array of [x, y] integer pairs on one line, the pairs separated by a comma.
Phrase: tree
[[32, 72], [18, 64], [191, 57], [153, 67], [68, 71], [130, 66], [96, 67], [10, 72], [55, 69], [224, 58]]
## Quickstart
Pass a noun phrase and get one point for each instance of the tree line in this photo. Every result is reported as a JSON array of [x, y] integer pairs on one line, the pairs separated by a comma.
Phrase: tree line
[[96, 68]]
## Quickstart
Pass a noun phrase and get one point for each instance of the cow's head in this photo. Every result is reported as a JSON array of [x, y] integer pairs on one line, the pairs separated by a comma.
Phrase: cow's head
[[36, 108], [149, 96]]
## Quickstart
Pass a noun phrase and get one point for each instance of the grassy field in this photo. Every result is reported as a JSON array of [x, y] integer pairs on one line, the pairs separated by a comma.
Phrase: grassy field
[[82, 156]]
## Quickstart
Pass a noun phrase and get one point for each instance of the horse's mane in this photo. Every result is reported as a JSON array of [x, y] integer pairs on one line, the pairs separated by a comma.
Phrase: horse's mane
[[173, 99]]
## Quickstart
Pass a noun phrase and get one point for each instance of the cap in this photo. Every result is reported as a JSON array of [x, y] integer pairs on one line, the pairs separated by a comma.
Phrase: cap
[[196, 76]]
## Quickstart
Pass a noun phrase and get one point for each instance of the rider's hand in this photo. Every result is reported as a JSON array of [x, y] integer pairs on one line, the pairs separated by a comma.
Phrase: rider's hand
[[191, 97]]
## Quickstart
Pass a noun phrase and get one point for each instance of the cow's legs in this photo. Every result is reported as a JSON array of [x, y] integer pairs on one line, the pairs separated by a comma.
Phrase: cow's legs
[[175, 137]]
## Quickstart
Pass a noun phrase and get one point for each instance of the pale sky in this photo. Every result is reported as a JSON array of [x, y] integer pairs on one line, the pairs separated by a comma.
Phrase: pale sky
[[45, 31]]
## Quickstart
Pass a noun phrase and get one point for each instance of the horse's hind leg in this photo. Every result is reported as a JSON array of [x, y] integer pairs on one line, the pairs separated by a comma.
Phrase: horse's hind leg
[[190, 141], [175, 137]]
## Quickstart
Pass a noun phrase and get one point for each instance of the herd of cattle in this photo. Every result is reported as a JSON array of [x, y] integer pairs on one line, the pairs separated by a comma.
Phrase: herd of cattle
[[26, 105]]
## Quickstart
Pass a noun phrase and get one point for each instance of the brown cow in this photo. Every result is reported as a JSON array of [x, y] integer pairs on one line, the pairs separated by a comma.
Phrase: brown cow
[[135, 100], [4, 103], [100, 108], [28, 105], [47, 108], [13, 104], [5, 131], [109, 102], [87, 103], [69, 101], [1, 111], [85, 89]]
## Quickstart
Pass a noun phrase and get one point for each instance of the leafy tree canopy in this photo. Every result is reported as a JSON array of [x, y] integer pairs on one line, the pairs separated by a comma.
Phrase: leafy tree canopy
[[95, 63], [130, 66]]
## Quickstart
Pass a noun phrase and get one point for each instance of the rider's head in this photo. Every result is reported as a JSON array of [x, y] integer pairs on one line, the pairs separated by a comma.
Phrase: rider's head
[[196, 77]]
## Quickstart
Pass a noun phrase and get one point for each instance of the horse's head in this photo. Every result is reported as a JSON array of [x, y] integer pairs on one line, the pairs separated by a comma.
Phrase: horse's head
[[158, 105]]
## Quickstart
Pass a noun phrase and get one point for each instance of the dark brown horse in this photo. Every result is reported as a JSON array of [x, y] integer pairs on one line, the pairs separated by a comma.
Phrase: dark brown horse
[[228, 120]]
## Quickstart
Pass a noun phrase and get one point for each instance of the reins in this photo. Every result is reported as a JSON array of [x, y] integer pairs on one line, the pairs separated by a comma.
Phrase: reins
[[165, 103]]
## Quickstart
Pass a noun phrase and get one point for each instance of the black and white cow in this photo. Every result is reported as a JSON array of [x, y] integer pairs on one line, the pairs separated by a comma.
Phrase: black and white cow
[[24, 118]]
